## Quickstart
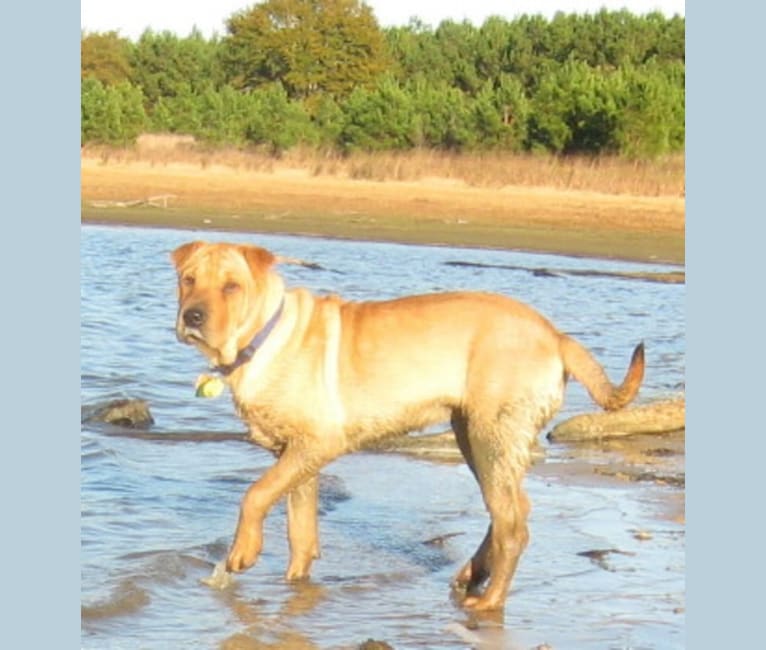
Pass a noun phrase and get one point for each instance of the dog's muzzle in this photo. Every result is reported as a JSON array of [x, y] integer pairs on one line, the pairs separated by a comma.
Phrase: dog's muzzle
[[189, 328], [194, 317]]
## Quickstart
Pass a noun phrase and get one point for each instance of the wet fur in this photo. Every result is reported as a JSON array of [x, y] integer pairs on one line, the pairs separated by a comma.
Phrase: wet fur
[[335, 375]]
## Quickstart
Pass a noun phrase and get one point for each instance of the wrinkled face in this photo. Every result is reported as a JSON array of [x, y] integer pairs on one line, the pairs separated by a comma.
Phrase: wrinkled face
[[221, 290]]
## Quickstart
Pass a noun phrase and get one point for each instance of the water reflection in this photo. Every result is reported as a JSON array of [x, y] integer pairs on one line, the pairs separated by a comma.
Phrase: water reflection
[[156, 515]]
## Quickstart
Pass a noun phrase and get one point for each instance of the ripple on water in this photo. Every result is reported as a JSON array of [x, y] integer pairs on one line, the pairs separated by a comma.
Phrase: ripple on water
[[156, 516]]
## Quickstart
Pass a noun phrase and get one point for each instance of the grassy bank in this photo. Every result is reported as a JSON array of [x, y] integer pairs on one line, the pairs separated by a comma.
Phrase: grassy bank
[[607, 208], [604, 174]]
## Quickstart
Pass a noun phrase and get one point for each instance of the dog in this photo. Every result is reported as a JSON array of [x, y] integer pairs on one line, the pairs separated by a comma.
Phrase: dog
[[317, 377]]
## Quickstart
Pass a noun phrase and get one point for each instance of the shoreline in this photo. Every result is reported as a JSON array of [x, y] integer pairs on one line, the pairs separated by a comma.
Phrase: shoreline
[[428, 212]]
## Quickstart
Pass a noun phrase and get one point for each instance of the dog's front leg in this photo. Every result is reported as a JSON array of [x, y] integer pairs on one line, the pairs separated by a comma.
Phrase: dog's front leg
[[294, 467], [303, 528]]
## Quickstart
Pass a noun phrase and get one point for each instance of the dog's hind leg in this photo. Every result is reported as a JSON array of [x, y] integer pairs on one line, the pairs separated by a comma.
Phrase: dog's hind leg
[[500, 452], [303, 528], [476, 570], [506, 539]]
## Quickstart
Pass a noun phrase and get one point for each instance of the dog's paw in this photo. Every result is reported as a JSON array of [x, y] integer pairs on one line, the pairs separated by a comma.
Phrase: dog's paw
[[239, 561], [482, 604], [469, 577], [244, 552], [299, 568], [463, 577]]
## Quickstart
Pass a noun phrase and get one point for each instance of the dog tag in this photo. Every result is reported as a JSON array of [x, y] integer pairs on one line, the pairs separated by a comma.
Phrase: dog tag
[[208, 386]]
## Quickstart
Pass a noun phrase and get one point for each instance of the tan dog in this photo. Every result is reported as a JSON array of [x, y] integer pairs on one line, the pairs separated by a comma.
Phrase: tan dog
[[317, 377]]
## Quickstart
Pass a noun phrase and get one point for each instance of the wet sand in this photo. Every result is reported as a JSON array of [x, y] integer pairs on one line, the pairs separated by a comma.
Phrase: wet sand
[[429, 211]]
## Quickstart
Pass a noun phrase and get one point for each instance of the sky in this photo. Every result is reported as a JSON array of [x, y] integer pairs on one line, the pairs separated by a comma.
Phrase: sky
[[131, 17]]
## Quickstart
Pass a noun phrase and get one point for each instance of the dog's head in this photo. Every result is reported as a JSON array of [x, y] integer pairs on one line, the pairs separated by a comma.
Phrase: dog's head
[[223, 293]]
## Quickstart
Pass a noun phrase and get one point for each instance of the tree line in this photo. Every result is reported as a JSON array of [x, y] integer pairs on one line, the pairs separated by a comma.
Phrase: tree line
[[322, 73]]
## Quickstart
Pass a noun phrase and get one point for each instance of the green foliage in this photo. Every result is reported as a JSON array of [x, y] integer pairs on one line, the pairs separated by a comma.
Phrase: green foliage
[[106, 57], [276, 121], [322, 73], [110, 114], [487, 119], [651, 116], [457, 42], [309, 46], [328, 120], [511, 103], [443, 117], [415, 53], [263, 117], [223, 116], [379, 119], [179, 112], [574, 111], [167, 66]]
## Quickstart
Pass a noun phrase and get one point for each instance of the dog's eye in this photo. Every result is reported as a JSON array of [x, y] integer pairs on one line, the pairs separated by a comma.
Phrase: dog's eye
[[230, 287], [187, 281]]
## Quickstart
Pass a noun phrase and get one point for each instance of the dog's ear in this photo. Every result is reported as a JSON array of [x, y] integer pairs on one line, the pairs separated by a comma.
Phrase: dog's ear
[[259, 259], [182, 253]]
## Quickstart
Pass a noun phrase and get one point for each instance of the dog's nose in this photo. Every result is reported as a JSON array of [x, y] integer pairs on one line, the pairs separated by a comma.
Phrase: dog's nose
[[194, 317]]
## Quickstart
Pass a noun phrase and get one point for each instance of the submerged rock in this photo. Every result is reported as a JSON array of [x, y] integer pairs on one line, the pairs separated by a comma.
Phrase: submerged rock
[[435, 446], [131, 413], [599, 557], [440, 447], [372, 644]]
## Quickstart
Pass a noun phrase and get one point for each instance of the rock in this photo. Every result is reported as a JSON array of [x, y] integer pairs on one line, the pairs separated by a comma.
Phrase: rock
[[640, 474], [599, 556], [372, 644], [440, 540], [131, 413], [435, 446], [660, 417], [440, 447]]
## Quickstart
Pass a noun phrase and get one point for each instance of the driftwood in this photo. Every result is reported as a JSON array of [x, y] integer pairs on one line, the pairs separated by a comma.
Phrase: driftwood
[[283, 259], [660, 417], [159, 201], [437, 446], [668, 277], [434, 446]]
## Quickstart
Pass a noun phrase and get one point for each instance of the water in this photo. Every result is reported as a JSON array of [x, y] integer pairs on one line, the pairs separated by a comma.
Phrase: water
[[157, 515]]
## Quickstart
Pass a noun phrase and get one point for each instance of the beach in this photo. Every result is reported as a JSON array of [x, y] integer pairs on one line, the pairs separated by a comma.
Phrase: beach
[[289, 199]]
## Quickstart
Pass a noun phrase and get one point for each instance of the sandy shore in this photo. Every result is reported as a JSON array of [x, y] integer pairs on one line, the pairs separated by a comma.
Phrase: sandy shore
[[429, 211]]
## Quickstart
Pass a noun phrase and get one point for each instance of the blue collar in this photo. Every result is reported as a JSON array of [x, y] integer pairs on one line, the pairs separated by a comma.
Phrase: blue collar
[[245, 354]]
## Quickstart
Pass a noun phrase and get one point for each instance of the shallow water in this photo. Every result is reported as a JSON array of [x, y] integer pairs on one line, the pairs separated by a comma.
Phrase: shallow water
[[157, 515]]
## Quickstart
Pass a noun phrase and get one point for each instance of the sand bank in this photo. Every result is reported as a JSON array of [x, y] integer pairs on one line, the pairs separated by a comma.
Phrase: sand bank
[[428, 211]]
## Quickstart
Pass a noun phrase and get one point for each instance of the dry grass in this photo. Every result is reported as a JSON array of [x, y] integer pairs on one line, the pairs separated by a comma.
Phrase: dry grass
[[604, 207], [608, 175]]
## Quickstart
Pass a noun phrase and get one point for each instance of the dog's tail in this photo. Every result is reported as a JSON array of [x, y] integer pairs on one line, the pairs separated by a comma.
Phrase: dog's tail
[[581, 364]]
